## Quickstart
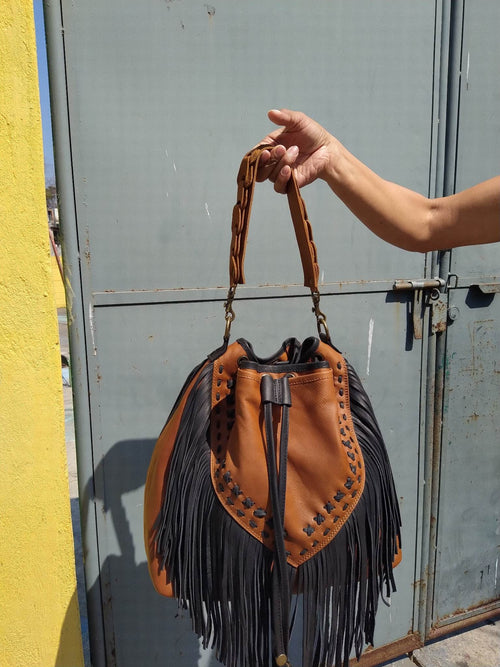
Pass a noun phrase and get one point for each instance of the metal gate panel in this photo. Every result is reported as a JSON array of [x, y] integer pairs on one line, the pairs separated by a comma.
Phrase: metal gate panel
[[467, 554], [154, 105], [478, 141], [164, 98], [140, 372], [468, 525]]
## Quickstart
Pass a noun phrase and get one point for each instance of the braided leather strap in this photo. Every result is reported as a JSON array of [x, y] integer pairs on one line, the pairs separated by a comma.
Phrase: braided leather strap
[[241, 216], [246, 180]]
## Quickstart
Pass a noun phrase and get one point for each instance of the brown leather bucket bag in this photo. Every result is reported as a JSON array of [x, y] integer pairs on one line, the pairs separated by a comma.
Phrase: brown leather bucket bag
[[271, 482]]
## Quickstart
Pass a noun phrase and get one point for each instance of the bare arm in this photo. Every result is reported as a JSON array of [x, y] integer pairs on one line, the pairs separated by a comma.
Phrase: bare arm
[[396, 214]]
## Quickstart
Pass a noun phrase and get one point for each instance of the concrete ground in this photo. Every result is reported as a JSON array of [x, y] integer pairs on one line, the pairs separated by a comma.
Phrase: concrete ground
[[479, 647]]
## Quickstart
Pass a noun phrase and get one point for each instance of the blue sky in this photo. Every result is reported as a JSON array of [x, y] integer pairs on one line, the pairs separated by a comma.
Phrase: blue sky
[[43, 80]]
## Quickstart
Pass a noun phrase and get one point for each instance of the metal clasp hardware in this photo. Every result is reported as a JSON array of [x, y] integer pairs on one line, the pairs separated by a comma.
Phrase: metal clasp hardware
[[488, 288], [419, 284], [421, 299], [320, 316], [282, 661], [229, 312]]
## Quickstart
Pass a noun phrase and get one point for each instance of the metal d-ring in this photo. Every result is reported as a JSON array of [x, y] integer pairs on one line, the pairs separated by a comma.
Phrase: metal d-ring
[[229, 312], [320, 316]]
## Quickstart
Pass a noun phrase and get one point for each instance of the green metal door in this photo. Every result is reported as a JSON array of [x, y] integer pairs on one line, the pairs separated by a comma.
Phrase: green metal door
[[154, 105], [466, 586]]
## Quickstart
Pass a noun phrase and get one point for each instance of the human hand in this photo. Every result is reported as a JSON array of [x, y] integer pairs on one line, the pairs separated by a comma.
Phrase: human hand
[[301, 144]]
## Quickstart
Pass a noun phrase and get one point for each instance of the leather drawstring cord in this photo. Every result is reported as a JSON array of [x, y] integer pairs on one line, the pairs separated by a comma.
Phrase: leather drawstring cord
[[277, 392]]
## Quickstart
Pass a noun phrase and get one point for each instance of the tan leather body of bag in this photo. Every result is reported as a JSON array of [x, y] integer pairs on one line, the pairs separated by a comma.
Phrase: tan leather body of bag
[[270, 482]]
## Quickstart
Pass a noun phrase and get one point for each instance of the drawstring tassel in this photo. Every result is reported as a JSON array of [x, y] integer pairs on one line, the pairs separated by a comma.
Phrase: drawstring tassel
[[277, 392]]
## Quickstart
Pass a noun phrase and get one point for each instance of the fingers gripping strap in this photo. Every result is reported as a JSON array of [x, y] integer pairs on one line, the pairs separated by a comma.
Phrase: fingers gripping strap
[[241, 216]]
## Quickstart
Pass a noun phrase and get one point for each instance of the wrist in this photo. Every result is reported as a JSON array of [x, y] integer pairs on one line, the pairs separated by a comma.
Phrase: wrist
[[334, 159]]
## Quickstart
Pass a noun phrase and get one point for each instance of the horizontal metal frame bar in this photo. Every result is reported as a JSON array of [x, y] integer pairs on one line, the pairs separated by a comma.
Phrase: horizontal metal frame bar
[[465, 619], [195, 294]]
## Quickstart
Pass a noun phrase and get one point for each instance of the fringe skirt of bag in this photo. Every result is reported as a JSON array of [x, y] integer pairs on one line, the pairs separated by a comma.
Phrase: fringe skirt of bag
[[222, 574]]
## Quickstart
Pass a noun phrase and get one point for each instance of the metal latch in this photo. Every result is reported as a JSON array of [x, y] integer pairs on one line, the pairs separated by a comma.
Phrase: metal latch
[[488, 288], [426, 292]]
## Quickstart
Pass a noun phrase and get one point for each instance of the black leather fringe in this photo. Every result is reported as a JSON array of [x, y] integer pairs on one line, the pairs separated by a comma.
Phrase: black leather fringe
[[222, 575], [341, 585]]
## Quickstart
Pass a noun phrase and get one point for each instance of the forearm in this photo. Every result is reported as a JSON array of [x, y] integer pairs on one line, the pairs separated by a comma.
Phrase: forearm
[[407, 219], [396, 214]]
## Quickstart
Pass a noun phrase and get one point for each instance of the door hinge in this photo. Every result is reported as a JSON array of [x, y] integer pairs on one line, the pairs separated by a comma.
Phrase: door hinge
[[427, 292]]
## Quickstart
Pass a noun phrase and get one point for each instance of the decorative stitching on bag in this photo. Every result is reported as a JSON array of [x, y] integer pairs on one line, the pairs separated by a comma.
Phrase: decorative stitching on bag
[[340, 382], [325, 523]]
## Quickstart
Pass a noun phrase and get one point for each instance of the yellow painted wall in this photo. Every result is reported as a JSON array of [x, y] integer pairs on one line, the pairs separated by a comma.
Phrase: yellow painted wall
[[57, 283], [39, 622]]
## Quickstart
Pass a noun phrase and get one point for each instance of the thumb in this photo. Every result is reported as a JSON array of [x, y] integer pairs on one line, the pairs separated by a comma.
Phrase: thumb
[[281, 116]]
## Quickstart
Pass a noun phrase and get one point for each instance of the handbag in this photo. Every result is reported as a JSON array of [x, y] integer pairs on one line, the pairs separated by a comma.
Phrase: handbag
[[269, 483]]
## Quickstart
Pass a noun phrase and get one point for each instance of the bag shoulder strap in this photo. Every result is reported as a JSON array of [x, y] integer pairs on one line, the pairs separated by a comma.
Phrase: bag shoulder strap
[[247, 176], [241, 216]]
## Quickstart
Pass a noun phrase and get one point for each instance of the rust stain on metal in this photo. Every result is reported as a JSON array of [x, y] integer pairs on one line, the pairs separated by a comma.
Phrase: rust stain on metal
[[451, 627], [376, 656], [459, 611], [439, 315], [86, 252]]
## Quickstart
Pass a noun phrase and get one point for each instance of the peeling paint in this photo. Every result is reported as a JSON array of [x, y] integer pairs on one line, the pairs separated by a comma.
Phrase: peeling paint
[[370, 340], [92, 329]]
